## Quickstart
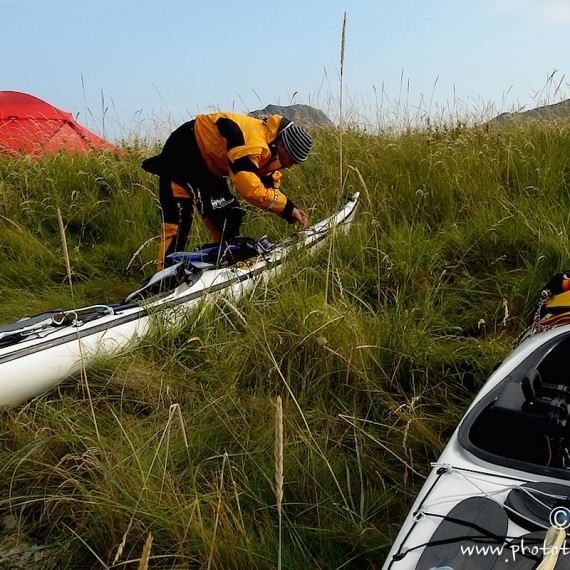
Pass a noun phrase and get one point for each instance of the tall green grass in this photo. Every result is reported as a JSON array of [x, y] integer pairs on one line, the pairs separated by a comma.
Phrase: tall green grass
[[375, 345]]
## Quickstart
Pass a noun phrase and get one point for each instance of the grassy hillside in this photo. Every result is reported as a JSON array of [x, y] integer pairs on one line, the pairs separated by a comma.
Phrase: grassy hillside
[[357, 363]]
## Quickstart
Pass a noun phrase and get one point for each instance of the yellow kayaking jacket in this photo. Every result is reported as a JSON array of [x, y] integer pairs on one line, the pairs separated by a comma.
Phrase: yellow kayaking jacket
[[241, 147]]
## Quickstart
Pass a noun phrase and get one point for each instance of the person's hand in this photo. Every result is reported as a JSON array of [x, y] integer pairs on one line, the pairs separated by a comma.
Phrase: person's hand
[[299, 218]]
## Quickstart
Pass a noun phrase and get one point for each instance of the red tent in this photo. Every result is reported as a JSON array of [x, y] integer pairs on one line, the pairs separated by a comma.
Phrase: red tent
[[29, 125]]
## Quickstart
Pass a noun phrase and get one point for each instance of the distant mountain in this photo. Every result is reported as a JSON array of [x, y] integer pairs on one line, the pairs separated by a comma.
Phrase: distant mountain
[[556, 111], [303, 114]]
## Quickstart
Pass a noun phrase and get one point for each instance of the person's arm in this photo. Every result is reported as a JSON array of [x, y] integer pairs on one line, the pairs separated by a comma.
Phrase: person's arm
[[245, 178]]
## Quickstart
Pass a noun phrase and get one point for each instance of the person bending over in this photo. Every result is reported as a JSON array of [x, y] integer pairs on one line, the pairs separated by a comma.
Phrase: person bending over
[[199, 156]]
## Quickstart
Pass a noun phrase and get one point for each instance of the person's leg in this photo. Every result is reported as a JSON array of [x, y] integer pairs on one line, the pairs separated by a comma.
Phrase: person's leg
[[219, 208], [177, 205], [175, 162]]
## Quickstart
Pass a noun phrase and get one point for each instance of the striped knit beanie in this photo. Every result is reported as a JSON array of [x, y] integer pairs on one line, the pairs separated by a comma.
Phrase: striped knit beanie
[[297, 141]]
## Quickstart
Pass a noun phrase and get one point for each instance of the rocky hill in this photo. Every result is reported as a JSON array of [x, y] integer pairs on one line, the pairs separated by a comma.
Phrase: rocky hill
[[303, 114], [556, 111]]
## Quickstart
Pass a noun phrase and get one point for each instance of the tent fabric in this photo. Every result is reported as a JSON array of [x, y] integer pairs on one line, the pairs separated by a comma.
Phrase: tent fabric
[[29, 125]]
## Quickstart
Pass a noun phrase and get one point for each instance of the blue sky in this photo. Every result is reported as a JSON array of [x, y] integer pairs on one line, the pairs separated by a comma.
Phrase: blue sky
[[150, 64]]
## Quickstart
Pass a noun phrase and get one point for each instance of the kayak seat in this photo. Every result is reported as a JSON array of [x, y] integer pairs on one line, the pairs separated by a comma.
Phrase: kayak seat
[[520, 421], [534, 388]]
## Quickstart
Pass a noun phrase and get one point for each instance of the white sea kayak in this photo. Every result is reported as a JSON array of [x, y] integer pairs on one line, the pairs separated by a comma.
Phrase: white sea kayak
[[38, 352]]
